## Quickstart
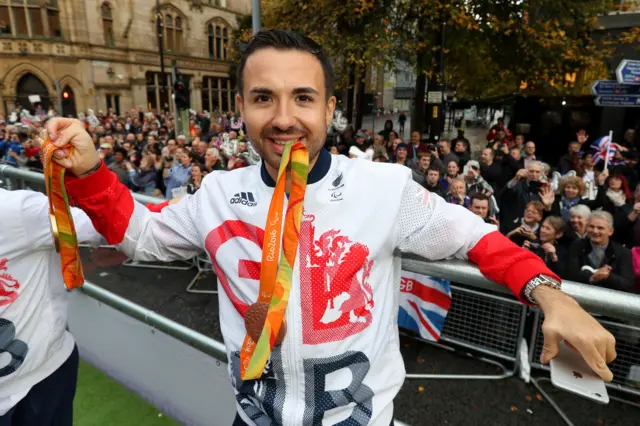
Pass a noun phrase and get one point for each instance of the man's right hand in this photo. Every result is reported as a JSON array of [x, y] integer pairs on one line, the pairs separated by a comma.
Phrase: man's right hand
[[69, 131], [522, 174]]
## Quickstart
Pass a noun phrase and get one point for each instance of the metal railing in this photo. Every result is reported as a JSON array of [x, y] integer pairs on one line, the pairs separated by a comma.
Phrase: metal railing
[[485, 318]]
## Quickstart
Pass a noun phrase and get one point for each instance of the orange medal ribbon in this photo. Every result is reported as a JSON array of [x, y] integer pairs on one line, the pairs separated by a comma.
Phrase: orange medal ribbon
[[264, 320], [64, 233]]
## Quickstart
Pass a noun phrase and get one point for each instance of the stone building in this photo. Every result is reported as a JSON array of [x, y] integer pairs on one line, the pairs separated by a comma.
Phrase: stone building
[[105, 54]]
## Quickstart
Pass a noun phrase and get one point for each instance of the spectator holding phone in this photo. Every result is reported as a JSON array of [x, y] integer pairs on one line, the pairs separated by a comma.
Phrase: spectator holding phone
[[480, 207], [547, 247], [527, 227], [525, 187]]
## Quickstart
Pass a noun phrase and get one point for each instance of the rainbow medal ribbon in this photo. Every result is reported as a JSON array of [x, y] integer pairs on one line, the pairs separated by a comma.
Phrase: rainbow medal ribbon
[[64, 233], [264, 320]]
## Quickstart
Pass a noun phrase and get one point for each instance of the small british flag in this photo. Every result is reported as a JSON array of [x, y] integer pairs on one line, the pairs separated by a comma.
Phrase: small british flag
[[600, 148]]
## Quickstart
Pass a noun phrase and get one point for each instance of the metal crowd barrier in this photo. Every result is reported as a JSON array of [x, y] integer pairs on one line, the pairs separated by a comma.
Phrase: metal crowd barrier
[[204, 266], [481, 318]]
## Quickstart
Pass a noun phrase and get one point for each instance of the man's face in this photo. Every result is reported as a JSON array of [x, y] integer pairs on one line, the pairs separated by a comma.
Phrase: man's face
[[210, 156], [578, 223], [530, 148], [283, 99], [172, 145], [401, 153], [119, 157], [415, 138], [457, 188], [535, 172], [582, 136], [444, 147], [460, 147], [432, 177], [574, 148], [233, 135], [127, 146], [480, 207], [515, 154], [520, 140], [425, 161], [242, 147], [201, 148], [599, 231], [487, 155], [378, 140]]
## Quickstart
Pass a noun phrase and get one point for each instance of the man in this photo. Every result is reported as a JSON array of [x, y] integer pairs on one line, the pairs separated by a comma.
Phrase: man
[[402, 119], [461, 149], [529, 153], [213, 161], [119, 166], [480, 207], [38, 356], [416, 147], [490, 169], [420, 173], [401, 156], [339, 360], [569, 161], [461, 138], [432, 183], [600, 261], [519, 191], [445, 155]]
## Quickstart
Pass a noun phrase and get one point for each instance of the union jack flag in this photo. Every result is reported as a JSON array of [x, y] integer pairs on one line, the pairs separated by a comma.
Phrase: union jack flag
[[424, 303], [600, 148]]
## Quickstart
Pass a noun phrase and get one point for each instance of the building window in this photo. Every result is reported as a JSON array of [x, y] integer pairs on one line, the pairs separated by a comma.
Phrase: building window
[[30, 18], [107, 25], [159, 96], [113, 101], [173, 32], [218, 40], [217, 94]]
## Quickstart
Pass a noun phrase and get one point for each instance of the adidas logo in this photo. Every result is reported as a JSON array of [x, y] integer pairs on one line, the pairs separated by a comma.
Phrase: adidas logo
[[244, 198]]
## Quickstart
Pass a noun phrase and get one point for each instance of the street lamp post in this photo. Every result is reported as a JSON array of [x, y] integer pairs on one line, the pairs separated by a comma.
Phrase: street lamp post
[[256, 16], [160, 33]]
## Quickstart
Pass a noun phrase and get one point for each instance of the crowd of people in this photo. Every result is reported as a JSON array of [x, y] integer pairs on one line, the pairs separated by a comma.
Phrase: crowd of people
[[577, 215]]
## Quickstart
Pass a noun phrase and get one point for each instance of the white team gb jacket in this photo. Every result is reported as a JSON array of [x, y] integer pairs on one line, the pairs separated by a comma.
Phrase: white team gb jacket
[[340, 359], [33, 299]]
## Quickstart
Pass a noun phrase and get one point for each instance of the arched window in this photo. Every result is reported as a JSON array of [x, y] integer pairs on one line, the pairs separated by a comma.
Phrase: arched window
[[29, 85], [173, 31], [30, 18], [218, 33], [107, 25]]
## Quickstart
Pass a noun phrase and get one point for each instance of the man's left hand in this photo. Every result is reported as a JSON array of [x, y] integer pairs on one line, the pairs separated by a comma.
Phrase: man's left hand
[[566, 320]]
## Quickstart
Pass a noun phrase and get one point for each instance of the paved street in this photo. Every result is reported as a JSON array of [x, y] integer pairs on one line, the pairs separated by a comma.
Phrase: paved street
[[420, 402], [477, 136]]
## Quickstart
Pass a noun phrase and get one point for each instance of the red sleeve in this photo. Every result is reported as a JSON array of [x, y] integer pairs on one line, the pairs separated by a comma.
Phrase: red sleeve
[[157, 208], [106, 201], [500, 260]]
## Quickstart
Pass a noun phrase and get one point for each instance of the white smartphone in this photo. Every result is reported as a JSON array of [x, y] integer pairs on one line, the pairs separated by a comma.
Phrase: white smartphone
[[571, 373]]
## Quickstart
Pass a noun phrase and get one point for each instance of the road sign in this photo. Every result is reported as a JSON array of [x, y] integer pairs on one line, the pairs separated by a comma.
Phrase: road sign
[[434, 97], [618, 101], [628, 72], [612, 87]]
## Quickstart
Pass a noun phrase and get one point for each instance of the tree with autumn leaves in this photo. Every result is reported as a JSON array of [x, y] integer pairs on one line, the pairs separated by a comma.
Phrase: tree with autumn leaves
[[490, 46]]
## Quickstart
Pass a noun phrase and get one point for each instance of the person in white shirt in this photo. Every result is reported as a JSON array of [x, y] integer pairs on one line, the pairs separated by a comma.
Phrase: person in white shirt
[[339, 360], [38, 356]]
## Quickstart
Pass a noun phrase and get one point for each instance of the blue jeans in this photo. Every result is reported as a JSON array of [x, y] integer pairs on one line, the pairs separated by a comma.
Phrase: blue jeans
[[50, 402]]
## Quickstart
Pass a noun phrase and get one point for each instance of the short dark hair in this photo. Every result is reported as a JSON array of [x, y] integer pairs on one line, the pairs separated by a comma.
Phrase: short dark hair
[[286, 40], [479, 196], [433, 169]]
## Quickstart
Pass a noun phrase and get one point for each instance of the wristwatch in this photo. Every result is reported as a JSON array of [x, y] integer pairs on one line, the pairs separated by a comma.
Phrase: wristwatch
[[539, 280]]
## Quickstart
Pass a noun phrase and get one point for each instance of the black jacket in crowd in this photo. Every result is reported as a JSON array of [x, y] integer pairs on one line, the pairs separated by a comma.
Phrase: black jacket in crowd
[[618, 257]]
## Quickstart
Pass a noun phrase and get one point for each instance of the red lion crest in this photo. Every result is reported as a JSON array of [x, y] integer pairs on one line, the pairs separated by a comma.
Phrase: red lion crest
[[8, 285]]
